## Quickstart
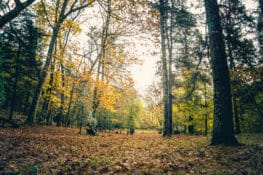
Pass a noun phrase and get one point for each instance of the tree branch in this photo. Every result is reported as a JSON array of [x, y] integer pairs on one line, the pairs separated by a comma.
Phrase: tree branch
[[72, 10], [15, 12]]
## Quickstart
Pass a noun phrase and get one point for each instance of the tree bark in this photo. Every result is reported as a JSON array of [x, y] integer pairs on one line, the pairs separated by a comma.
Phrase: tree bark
[[167, 131], [206, 115], [70, 104], [190, 126], [15, 12], [2, 94], [260, 30], [62, 120], [229, 25], [13, 101], [170, 76], [236, 115], [223, 129]]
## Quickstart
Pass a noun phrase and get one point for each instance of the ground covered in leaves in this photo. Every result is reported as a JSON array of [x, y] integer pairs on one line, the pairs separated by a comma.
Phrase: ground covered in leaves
[[52, 150]]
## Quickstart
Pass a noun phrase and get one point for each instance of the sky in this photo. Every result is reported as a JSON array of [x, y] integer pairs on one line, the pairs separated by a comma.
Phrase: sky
[[145, 74]]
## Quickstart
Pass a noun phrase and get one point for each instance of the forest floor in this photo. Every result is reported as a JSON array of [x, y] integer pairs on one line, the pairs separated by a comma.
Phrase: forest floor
[[55, 150]]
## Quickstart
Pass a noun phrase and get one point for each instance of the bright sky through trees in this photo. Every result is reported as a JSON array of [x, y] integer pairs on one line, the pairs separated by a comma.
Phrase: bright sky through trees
[[145, 73]]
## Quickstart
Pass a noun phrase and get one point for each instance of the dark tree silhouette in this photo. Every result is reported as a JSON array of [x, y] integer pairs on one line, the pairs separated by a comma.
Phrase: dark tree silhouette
[[223, 129], [19, 7]]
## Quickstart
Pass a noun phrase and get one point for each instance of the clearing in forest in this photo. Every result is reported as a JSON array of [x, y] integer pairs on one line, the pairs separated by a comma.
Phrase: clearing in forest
[[53, 150]]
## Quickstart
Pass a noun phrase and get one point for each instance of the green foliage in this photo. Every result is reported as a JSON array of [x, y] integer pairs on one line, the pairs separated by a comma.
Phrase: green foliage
[[133, 113], [20, 66], [250, 103], [192, 91], [184, 18]]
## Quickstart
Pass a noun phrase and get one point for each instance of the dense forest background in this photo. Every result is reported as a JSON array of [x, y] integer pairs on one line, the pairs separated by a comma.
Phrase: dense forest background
[[67, 63], [68, 102]]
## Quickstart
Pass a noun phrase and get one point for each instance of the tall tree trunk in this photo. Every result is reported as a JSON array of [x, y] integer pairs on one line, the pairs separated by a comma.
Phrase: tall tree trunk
[[2, 94], [191, 125], [165, 79], [260, 30], [13, 101], [206, 113], [26, 103], [232, 65], [49, 93], [44, 111], [81, 119], [236, 115], [223, 129], [170, 76], [70, 104], [62, 99], [49, 114], [101, 57], [32, 116]]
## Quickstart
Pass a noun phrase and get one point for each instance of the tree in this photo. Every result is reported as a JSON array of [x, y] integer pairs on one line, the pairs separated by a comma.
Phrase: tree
[[19, 7], [134, 109], [239, 49], [19, 44], [260, 30], [154, 102], [64, 10], [223, 131], [102, 54], [168, 130], [2, 94]]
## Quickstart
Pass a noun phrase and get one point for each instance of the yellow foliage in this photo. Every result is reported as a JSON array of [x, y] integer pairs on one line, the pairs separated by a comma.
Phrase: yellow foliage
[[73, 25], [107, 95]]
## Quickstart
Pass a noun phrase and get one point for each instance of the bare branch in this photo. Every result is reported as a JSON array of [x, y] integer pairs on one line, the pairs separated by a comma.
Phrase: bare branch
[[46, 14], [15, 12], [72, 9]]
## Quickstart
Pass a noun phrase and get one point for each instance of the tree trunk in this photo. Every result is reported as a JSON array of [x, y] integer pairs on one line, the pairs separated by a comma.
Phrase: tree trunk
[[49, 114], [2, 94], [49, 93], [236, 116], [260, 30], [223, 129], [191, 126], [206, 115], [95, 102], [166, 98], [232, 66], [170, 76], [13, 101], [70, 104], [32, 116], [101, 57], [61, 119], [26, 103], [14, 12], [81, 119], [44, 111]]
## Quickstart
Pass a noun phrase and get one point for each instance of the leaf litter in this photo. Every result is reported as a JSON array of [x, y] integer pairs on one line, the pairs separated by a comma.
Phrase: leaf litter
[[56, 150]]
